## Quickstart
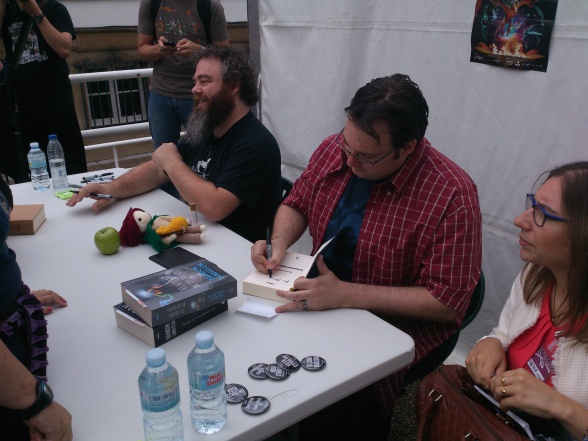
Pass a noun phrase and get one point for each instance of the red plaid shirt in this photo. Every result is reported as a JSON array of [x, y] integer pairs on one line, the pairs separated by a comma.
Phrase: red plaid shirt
[[422, 227]]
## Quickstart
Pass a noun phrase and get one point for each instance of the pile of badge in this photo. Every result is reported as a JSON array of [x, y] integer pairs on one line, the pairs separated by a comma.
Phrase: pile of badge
[[280, 370]]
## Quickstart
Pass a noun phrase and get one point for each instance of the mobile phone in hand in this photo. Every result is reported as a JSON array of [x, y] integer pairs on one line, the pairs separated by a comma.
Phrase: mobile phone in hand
[[169, 43]]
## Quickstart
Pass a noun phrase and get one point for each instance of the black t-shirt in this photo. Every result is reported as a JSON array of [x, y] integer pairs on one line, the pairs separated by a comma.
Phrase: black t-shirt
[[41, 75], [245, 161]]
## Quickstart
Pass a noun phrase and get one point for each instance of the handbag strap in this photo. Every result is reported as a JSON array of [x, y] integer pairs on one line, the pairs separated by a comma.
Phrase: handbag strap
[[14, 59]]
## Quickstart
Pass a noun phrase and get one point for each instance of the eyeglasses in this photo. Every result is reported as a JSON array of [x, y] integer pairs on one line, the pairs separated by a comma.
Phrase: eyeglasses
[[360, 158], [540, 215]]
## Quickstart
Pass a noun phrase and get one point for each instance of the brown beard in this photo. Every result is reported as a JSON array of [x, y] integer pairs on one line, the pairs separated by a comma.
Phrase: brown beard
[[203, 122]]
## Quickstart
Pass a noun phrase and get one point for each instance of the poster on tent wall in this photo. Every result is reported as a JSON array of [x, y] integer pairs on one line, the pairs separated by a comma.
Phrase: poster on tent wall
[[513, 33]]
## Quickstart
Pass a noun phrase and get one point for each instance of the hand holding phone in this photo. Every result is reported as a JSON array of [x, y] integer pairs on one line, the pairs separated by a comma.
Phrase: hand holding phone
[[169, 43]]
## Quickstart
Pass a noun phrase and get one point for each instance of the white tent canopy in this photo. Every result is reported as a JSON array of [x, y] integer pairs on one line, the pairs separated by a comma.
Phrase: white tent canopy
[[504, 127]]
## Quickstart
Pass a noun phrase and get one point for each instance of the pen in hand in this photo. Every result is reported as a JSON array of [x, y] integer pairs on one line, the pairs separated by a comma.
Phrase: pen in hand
[[97, 195], [268, 249]]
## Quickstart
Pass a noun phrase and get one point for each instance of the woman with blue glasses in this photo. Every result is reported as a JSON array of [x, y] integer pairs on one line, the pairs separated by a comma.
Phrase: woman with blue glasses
[[535, 359]]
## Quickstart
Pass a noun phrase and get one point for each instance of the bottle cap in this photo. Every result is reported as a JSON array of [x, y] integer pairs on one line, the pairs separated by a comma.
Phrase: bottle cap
[[235, 393], [204, 339], [257, 371], [275, 372], [52, 137], [288, 362], [313, 363], [255, 405], [155, 357], [34, 145]]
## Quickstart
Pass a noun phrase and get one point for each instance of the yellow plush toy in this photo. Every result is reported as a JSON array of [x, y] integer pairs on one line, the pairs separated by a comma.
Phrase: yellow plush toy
[[168, 226]]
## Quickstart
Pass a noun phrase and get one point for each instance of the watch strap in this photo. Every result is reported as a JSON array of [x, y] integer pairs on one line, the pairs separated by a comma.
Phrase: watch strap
[[43, 400], [38, 18]]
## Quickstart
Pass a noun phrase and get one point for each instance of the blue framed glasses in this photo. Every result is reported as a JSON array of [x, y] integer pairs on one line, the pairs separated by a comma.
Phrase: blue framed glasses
[[360, 158], [540, 214]]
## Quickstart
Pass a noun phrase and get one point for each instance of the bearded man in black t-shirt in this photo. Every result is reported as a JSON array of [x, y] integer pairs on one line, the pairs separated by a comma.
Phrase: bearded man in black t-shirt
[[228, 164]]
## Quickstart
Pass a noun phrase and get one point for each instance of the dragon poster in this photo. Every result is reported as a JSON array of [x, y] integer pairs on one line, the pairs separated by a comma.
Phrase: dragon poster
[[513, 33]]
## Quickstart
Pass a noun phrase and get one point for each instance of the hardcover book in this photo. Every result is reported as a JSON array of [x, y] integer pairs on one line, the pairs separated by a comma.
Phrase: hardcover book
[[178, 291], [292, 266], [26, 219], [127, 320]]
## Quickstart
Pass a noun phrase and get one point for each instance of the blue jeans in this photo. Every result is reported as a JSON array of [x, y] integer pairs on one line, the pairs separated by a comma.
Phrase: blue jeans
[[166, 117]]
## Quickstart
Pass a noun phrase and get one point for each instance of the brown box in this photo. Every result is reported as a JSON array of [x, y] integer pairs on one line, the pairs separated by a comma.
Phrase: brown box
[[26, 219]]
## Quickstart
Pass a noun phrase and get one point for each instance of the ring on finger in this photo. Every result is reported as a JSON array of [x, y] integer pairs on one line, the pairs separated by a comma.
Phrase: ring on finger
[[503, 390], [304, 305], [503, 381]]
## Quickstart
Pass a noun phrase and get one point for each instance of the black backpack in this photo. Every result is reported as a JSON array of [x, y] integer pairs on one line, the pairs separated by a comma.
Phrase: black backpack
[[204, 11]]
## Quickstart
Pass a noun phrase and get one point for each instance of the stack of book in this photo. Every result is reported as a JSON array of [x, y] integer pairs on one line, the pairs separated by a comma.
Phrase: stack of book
[[158, 307]]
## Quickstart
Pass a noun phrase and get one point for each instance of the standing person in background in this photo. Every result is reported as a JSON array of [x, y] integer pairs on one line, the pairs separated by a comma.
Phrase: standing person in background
[[41, 82], [169, 32]]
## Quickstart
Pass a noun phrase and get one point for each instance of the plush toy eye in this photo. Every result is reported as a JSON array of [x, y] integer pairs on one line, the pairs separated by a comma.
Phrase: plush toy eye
[[139, 219]]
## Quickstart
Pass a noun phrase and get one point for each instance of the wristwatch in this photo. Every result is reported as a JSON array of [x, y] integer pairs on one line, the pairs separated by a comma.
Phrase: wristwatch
[[39, 17], [44, 399]]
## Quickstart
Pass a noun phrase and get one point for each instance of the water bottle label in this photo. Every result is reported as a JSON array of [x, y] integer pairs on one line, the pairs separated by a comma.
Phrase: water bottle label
[[37, 163], [161, 402], [207, 382]]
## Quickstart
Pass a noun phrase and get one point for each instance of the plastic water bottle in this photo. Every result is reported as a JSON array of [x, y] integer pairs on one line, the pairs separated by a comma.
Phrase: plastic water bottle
[[160, 399], [206, 373], [38, 166], [57, 164]]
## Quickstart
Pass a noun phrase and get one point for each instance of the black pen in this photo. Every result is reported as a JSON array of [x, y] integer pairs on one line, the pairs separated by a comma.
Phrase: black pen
[[105, 178], [97, 176], [74, 185], [97, 195], [268, 248]]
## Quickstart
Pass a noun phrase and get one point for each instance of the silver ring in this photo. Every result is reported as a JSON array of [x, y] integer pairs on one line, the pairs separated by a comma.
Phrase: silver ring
[[304, 305]]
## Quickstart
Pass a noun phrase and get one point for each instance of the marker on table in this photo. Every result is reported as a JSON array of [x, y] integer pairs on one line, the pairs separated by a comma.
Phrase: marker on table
[[268, 248], [98, 176], [97, 195]]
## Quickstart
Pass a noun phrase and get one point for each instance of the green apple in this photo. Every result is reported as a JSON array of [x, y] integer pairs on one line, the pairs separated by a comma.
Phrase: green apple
[[107, 240]]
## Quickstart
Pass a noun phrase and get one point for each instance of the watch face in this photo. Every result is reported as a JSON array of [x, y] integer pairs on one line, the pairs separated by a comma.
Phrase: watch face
[[47, 390], [39, 18]]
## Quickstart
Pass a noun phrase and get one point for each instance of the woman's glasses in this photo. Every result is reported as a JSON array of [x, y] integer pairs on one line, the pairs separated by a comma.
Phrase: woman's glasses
[[540, 215]]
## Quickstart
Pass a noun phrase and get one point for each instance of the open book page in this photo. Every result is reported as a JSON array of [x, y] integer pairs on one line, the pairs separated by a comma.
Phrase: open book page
[[292, 266], [521, 422]]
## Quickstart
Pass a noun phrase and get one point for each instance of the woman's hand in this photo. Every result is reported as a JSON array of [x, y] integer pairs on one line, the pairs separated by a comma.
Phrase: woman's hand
[[486, 360], [49, 298]]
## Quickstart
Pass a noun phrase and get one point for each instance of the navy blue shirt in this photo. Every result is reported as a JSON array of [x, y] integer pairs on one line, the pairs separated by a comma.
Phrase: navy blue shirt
[[347, 219]]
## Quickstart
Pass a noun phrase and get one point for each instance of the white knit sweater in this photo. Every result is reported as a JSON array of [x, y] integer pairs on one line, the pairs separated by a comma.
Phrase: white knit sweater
[[570, 360]]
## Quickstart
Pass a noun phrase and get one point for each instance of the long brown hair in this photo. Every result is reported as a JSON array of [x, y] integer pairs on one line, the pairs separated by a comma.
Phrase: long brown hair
[[574, 194]]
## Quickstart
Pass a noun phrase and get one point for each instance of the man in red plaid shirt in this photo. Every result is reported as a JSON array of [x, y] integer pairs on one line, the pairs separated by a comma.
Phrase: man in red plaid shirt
[[408, 228]]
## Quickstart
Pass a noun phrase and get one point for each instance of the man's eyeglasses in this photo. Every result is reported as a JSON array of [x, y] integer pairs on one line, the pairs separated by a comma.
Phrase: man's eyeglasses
[[360, 158], [540, 215]]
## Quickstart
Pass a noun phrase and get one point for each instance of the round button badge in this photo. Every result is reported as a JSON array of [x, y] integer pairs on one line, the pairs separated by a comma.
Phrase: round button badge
[[275, 372], [255, 405], [313, 363], [235, 393], [288, 362], [257, 371]]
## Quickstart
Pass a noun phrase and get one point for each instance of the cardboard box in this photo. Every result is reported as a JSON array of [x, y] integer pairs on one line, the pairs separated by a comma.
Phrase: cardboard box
[[26, 219]]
